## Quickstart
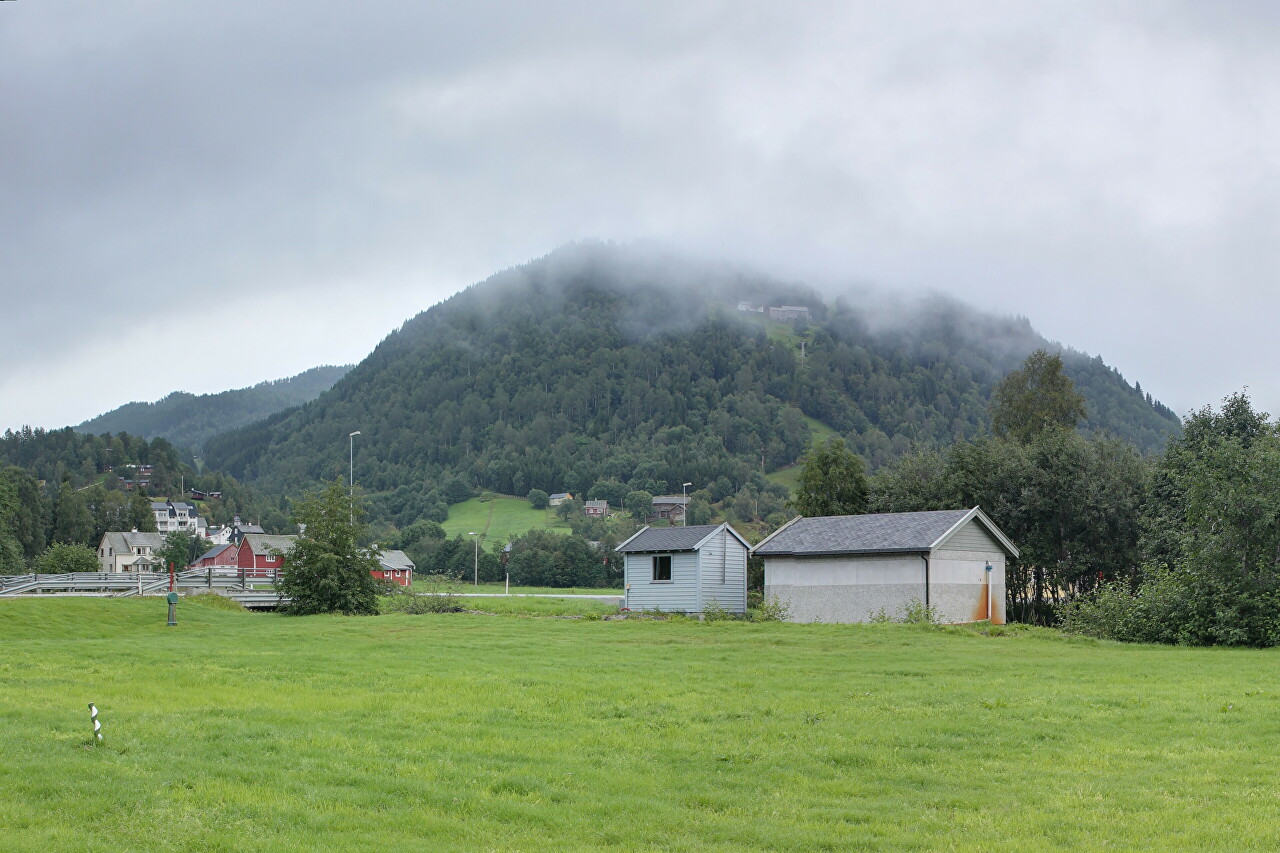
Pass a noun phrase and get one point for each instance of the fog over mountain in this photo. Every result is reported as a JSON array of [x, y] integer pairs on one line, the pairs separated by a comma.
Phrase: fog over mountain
[[291, 179], [621, 364]]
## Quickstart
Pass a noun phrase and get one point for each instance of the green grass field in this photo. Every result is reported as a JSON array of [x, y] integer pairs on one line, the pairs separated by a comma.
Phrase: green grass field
[[249, 732], [510, 517]]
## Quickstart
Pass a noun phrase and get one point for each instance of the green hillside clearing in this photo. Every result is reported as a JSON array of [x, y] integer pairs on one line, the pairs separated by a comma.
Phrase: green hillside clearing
[[510, 517], [236, 731], [789, 475]]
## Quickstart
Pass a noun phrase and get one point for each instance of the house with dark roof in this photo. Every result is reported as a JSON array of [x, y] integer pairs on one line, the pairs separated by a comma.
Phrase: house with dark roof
[[223, 556], [685, 569], [670, 507], [238, 529], [851, 568], [599, 509]]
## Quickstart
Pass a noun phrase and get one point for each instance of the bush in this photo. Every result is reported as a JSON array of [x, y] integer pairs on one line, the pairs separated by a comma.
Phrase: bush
[[538, 499], [61, 558], [713, 611], [771, 609], [1177, 606], [917, 613], [439, 596]]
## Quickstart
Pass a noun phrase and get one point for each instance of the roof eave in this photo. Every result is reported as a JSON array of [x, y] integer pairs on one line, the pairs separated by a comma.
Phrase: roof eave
[[859, 553]]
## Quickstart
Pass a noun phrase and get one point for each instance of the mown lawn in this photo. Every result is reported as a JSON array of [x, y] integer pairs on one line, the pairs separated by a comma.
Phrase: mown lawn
[[236, 731], [510, 517]]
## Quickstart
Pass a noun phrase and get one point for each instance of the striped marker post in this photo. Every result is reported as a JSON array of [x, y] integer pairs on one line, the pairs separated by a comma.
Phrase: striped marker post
[[97, 726]]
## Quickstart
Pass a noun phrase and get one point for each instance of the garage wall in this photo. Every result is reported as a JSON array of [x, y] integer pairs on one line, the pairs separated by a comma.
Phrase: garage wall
[[844, 589]]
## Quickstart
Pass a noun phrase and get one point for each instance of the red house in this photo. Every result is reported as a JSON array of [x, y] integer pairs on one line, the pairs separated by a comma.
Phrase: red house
[[218, 555], [396, 567], [261, 554]]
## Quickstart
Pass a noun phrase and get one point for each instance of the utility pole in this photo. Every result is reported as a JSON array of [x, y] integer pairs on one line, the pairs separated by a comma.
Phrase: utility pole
[[351, 479]]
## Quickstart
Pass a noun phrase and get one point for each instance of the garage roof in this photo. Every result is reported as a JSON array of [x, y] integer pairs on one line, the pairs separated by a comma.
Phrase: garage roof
[[881, 533]]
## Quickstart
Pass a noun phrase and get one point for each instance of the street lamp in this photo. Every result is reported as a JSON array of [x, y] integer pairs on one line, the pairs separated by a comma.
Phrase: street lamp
[[684, 519], [476, 568], [351, 478]]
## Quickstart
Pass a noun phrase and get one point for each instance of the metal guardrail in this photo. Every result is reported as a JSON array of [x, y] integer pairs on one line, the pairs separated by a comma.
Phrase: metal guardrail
[[134, 583]]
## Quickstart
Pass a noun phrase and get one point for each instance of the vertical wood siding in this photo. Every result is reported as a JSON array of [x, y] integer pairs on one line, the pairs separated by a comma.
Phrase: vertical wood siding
[[724, 572], [681, 595]]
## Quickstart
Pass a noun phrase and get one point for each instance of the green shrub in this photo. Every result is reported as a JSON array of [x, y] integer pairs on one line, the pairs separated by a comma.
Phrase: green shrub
[[440, 596], [713, 611], [918, 613], [771, 609], [1159, 611]]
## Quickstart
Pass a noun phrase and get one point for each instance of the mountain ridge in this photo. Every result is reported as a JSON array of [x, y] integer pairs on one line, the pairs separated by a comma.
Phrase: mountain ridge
[[600, 363], [188, 420]]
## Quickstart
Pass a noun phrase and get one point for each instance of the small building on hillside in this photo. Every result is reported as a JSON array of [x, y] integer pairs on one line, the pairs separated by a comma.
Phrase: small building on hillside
[[395, 567], [789, 313], [260, 554], [851, 568], [685, 569], [131, 552], [670, 507], [559, 498], [599, 509]]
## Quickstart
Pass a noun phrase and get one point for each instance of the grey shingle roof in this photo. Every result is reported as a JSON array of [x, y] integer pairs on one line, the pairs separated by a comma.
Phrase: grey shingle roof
[[667, 538], [215, 551], [910, 532], [395, 560], [266, 543]]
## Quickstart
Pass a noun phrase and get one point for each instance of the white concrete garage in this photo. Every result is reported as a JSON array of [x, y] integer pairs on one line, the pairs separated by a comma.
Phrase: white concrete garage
[[850, 568]]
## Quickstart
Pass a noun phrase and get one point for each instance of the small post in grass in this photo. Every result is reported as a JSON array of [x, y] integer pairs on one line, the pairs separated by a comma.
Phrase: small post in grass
[[97, 726], [173, 608]]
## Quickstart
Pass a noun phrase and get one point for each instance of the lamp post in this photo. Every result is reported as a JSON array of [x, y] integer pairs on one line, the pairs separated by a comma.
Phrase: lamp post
[[684, 519], [351, 478], [476, 567]]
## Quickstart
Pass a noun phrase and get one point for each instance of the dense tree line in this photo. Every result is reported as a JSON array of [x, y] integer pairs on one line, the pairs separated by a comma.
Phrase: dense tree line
[[187, 420], [1179, 547], [63, 487], [593, 365]]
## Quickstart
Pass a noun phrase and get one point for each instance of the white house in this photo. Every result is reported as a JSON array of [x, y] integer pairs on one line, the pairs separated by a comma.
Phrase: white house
[[850, 568], [685, 569], [172, 517], [131, 552]]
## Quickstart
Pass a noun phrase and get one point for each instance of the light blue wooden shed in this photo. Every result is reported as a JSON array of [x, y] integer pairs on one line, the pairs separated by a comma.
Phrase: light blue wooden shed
[[685, 569]]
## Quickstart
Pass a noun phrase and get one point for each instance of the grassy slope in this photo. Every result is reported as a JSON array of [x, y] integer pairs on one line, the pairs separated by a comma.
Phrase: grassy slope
[[236, 731], [790, 475], [511, 517]]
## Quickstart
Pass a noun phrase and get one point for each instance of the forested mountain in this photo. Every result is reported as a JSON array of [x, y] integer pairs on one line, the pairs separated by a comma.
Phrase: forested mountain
[[188, 420], [600, 363]]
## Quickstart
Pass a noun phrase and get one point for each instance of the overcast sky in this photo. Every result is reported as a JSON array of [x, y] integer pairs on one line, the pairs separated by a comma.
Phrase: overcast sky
[[204, 196]]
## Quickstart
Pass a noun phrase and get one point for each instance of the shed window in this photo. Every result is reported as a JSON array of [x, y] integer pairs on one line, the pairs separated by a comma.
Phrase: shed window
[[662, 567]]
